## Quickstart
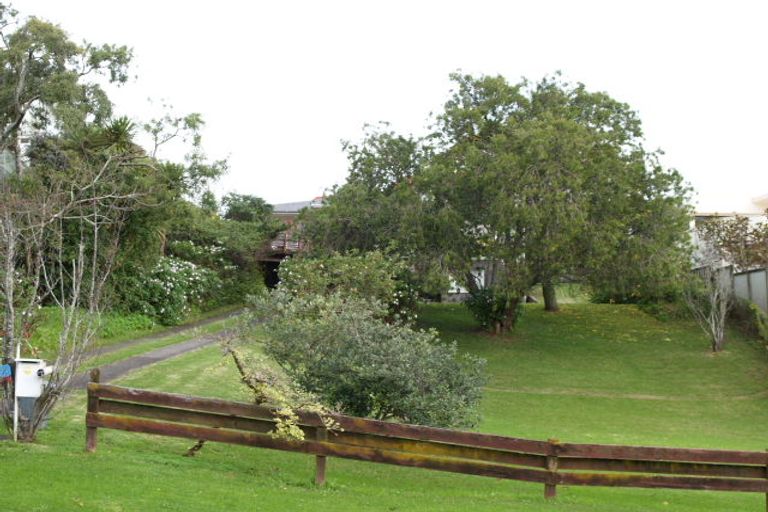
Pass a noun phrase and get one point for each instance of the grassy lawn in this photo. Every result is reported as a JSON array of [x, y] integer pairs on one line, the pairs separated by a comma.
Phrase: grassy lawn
[[594, 373], [115, 328]]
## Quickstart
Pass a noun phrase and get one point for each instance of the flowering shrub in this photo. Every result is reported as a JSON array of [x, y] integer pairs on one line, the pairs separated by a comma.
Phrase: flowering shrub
[[371, 276], [238, 280], [210, 255], [174, 286]]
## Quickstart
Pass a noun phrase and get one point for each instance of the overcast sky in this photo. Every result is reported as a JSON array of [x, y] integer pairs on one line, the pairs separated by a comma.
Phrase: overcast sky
[[280, 84]]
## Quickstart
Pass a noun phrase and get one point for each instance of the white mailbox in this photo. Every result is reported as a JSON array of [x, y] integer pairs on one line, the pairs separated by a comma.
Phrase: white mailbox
[[30, 377]]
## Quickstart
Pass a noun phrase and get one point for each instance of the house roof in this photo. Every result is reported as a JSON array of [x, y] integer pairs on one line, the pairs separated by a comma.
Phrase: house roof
[[290, 207], [297, 206]]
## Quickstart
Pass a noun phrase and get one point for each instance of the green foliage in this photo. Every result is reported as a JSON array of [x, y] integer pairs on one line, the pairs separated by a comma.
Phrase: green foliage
[[193, 175], [749, 318], [371, 276], [245, 208], [610, 384], [384, 160], [380, 209], [650, 256], [339, 349], [491, 309], [760, 319], [227, 247], [44, 78], [175, 286], [740, 241], [666, 311], [237, 287], [112, 325], [545, 181], [553, 181], [208, 203], [207, 255]]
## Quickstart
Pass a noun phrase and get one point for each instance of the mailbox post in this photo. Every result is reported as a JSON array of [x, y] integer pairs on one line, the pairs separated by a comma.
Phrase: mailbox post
[[29, 381]]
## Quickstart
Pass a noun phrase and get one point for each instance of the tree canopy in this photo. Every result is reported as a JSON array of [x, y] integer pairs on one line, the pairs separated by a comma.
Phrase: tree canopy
[[739, 240], [541, 181], [44, 78]]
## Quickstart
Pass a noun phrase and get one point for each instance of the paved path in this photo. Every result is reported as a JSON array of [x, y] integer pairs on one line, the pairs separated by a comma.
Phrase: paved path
[[117, 369], [165, 333]]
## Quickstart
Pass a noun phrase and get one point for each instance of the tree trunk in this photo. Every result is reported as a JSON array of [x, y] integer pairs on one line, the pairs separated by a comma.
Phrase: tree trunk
[[9, 317], [470, 283], [510, 317], [550, 298]]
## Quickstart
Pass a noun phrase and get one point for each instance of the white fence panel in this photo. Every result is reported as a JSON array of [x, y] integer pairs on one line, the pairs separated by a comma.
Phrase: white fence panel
[[753, 286], [741, 285]]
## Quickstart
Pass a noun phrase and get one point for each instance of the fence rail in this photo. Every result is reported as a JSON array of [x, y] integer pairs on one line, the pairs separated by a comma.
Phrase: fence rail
[[551, 463]]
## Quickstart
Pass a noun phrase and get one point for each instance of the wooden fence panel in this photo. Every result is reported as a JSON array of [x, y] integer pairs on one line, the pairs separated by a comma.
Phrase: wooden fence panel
[[545, 462], [328, 449]]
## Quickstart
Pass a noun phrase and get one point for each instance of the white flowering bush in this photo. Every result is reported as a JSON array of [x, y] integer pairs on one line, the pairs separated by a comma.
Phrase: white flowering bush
[[239, 276], [210, 255], [174, 287]]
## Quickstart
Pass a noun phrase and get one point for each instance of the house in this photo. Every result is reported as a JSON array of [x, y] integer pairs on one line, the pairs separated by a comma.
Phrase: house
[[458, 292], [754, 209], [287, 242], [750, 284]]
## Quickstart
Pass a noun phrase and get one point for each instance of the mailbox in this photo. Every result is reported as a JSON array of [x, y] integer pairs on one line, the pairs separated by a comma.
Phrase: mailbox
[[30, 377]]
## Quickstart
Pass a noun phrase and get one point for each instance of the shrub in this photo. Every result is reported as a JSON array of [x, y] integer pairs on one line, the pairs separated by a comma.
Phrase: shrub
[[750, 319], [666, 311], [489, 308], [174, 287], [340, 350], [207, 255], [372, 276], [236, 287]]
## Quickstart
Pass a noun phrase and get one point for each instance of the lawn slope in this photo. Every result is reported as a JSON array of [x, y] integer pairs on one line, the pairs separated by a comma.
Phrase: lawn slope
[[608, 374]]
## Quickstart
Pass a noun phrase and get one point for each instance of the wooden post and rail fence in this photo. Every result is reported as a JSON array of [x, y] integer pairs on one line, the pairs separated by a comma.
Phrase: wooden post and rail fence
[[550, 463]]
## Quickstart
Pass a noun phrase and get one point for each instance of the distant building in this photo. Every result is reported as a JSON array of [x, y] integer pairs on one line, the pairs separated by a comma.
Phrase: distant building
[[287, 242], [754, 210], [751, 283]]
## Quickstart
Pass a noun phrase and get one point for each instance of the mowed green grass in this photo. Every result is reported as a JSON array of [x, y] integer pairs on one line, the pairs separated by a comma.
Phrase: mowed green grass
[[593, 373], [115, 328]]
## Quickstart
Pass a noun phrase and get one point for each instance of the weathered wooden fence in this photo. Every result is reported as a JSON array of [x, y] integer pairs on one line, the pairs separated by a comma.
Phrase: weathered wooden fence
[[550, 463]]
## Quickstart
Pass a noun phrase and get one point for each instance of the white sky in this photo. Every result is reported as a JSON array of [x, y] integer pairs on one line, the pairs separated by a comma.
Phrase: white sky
[[281, 83]]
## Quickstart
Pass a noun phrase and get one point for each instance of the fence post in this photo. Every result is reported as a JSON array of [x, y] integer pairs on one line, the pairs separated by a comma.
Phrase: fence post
[[91, 433], [321, 434], [550, 488]]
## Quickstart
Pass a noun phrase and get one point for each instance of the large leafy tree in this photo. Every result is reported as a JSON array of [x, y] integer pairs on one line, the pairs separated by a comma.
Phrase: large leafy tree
[[550, 181], [245, 208], [542, 182], [43, 79], [372, 210], [78, 198], [380, 207], [44, 91]]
